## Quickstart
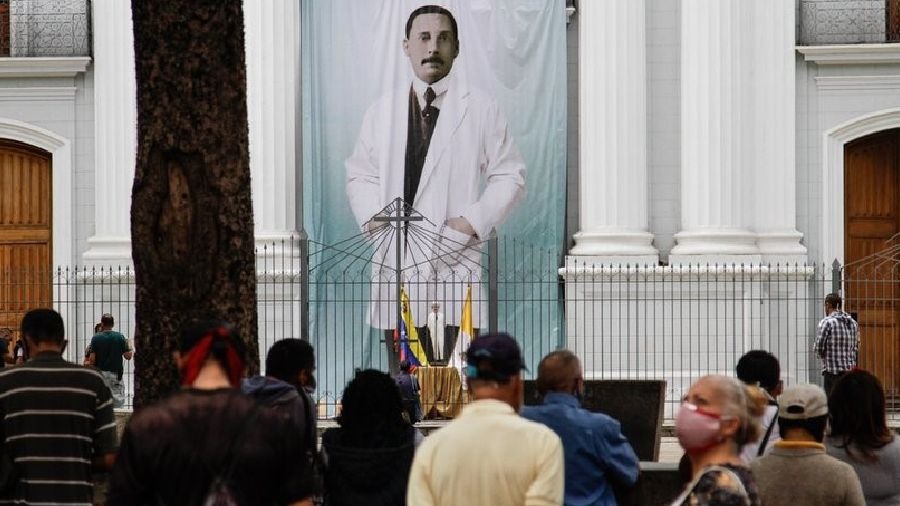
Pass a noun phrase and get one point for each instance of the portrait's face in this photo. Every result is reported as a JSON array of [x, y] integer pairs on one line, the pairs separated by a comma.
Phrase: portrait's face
[[431, 47]]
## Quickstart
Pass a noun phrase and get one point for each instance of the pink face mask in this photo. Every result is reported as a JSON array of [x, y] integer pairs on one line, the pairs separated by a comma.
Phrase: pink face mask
[[697, 430]]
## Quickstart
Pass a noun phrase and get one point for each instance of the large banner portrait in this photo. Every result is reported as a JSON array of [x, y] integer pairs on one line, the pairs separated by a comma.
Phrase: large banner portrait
[[434, 178]]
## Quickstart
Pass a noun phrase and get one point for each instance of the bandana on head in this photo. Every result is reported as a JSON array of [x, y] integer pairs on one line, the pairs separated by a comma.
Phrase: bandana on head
[[197, 356]]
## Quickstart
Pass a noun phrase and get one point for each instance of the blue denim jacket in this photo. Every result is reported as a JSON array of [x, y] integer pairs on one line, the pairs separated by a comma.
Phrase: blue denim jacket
[[595, 449]]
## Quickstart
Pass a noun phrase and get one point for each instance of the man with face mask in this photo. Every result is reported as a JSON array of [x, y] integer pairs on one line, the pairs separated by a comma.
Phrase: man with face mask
[[489, 454], [596, 451]]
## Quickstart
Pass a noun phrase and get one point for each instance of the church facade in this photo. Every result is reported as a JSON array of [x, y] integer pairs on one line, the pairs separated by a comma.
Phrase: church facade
[[743, 139]]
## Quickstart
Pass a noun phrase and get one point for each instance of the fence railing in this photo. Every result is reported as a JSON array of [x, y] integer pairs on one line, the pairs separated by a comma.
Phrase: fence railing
[[633, 322]]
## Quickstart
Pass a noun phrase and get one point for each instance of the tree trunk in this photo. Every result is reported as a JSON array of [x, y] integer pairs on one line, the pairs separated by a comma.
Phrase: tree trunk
[[191, 213]]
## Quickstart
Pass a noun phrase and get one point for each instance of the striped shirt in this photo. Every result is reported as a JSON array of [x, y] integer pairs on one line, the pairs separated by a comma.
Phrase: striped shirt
[[56, 417], [837, 342]]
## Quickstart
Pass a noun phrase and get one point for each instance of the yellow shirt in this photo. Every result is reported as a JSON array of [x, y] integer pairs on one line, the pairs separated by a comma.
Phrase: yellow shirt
[[488, 456]]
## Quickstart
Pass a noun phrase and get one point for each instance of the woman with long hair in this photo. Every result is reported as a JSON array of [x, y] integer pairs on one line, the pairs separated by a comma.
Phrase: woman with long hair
[[367, 459], [860, 436], [717, 417]]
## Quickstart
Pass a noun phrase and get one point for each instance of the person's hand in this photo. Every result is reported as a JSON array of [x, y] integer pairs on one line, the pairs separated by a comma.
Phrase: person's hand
[[372, 227], [461, 225]]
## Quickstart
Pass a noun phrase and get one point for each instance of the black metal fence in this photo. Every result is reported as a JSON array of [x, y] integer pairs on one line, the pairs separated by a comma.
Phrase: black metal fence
[[675, 323]]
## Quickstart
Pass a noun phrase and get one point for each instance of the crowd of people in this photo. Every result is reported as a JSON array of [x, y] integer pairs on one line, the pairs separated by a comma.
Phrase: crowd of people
[[229, 439]]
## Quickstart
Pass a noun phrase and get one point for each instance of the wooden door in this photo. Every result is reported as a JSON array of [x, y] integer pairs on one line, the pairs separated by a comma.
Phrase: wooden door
[[872, 273], [25, 231]]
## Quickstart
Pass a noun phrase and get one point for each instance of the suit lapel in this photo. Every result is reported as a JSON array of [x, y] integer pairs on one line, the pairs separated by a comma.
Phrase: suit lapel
[[453, 110], [396, 140]]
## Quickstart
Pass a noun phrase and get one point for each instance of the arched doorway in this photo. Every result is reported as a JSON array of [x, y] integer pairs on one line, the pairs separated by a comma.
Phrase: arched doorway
[[872, 250], [26, 205]]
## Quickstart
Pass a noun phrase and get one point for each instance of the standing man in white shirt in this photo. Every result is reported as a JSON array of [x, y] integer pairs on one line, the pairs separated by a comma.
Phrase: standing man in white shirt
[[446, 150], [490, 455]]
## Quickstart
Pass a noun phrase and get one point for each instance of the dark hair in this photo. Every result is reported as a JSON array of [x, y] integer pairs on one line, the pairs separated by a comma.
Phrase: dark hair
[[404, 365], [287, 357], [432, 9], [815, 426], [834, 300], [858, 418], [43, 325], [558, 372], [759, 366], [372, 412]]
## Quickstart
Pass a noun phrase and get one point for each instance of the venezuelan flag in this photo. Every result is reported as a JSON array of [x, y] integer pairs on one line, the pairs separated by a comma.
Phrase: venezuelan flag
[[410, 347]]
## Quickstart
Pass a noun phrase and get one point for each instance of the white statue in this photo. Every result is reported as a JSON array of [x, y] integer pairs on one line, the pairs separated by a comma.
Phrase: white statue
[[436, 330]]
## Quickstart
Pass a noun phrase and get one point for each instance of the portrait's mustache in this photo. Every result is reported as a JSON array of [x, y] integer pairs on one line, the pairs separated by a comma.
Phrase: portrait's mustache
[[433, 59]]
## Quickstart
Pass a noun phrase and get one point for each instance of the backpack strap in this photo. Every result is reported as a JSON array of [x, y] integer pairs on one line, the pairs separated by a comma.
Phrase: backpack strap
[[309, 436], [765, 440]]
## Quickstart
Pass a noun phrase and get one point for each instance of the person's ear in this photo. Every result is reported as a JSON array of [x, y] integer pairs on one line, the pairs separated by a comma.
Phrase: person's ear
[[518, 392], [729, 428], [778, 389], [406, 47]]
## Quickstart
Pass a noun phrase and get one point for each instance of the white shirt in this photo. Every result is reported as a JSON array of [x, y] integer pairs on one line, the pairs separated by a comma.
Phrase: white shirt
[[439, 87], [749, 452], [488, 456], [436, 330]]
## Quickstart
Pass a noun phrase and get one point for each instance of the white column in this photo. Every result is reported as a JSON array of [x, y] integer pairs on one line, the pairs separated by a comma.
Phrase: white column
[[715, 225], [613, 209], [115, 141], [774, 176], [272, 31]]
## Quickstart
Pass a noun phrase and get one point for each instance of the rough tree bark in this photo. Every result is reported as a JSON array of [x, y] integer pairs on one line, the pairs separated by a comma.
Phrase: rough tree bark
[[191, 213]]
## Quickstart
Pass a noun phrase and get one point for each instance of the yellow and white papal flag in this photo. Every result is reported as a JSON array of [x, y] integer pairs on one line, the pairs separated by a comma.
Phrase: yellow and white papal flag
[[464, 338]]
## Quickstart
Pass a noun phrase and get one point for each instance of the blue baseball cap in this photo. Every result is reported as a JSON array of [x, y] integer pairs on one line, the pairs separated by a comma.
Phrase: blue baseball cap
[[494, 357]]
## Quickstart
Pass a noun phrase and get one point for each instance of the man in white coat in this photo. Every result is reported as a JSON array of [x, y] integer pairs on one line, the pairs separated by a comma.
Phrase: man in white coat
[[435, 326], [456, 164]]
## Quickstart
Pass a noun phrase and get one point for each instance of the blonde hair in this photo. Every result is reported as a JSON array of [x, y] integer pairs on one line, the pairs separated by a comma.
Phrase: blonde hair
[[747, 403]]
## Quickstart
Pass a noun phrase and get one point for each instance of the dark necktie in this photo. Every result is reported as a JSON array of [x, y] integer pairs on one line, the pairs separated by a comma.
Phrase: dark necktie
[[429, 114]]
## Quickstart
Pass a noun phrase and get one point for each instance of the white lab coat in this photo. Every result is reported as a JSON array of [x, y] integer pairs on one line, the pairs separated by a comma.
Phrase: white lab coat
[[436, 330], [473, 169]]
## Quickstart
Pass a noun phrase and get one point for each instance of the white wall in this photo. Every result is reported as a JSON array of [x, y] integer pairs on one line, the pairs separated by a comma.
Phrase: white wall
[[84, 162], [827, 97], [60, 104]]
